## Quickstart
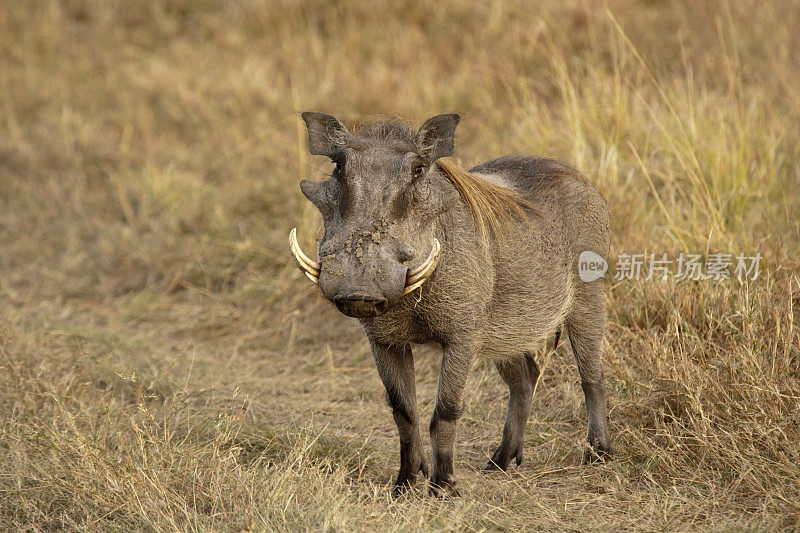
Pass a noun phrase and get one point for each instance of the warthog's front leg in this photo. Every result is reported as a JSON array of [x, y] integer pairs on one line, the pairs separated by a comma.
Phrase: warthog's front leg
[[396, 368], [456, 364]]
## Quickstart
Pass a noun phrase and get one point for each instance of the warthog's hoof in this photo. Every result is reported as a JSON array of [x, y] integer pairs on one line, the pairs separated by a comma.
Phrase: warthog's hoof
[[407, 477], [502, 458], [399, 490], [444, 489], [598, 453]]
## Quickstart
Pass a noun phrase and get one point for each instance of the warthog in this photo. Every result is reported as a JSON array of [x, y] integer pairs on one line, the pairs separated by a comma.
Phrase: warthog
[[482, 262]]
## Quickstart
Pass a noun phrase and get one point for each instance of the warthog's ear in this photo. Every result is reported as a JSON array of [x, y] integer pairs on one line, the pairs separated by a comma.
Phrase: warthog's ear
[[436, 137], [326, 135]]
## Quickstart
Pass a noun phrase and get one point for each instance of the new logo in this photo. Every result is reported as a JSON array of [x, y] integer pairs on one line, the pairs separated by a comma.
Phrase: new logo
[[591, 266]]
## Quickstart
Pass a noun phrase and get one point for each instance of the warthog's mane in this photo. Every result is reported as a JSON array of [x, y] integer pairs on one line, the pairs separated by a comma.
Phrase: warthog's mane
[[494, 207]]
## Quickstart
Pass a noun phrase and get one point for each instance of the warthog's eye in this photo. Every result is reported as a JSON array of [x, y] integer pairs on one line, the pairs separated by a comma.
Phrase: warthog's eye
[[419, 171]]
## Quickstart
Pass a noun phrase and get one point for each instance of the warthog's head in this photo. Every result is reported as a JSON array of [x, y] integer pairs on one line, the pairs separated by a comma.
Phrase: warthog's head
[[378, 208]]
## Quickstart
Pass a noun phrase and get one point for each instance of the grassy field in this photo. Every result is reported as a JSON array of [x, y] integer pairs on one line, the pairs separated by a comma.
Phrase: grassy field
[[164, 366]]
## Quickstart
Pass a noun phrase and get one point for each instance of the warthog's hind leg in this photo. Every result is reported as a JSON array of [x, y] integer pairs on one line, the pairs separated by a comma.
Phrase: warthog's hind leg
[[521, 376], [586, 326]]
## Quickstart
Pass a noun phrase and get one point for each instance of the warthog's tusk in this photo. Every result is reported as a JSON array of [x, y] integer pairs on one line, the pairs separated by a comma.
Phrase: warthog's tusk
[[416, 277], [310, 268]]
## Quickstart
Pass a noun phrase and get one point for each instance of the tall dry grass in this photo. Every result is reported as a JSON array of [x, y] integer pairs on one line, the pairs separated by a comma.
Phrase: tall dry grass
[[163, 366]]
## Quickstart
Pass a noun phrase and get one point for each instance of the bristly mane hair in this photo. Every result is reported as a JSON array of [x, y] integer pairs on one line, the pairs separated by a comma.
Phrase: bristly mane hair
[[493, 207]]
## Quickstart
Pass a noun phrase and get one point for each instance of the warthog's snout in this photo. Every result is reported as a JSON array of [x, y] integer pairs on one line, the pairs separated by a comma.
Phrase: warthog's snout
[[362, 279], [364, 288], [360, 305]]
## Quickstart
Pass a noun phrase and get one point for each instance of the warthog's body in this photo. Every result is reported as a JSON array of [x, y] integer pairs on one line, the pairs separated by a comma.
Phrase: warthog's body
[[510, 294], [494, 294]]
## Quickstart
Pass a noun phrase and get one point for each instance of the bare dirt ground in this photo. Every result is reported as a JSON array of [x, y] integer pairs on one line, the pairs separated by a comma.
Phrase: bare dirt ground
[[163, 365]]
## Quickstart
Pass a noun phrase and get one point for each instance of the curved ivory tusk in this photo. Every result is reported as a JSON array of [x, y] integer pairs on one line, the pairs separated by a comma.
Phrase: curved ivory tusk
[[421, 275], [426, 267], [310, 268], [434, 252], [413, 286], [312, 277], [416, 277], [298, 253]]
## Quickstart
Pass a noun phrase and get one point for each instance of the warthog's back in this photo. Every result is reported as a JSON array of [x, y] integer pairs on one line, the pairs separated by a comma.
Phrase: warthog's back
[[558, 192]]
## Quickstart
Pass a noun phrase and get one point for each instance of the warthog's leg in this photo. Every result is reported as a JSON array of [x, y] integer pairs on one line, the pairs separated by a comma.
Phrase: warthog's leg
[[396, 368], [456, 364], [520, 375], [586, 326]]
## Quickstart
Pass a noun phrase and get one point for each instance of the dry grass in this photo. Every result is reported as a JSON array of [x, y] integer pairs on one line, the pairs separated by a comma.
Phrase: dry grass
[[164, 366]]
